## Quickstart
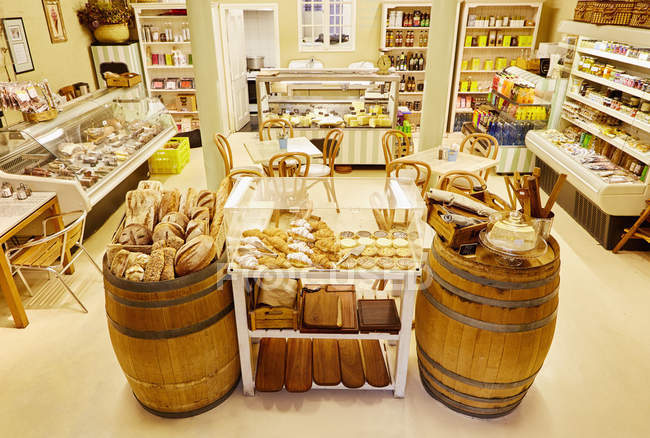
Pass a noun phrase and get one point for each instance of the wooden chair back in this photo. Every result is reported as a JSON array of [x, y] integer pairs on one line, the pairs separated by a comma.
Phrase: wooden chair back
[[224, 149], [471, 184], [483, 145], [331, 147], [289, 164], [265, 127], [395, 144], [422, 172], [235, 174]]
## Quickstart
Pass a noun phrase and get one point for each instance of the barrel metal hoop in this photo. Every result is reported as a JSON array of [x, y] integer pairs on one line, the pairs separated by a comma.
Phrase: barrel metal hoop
[[472, 382], [469, 396], [173, 333], [492, 301], [464, 409], [489, 326], [172, 302], [194, 412], [506, 285]]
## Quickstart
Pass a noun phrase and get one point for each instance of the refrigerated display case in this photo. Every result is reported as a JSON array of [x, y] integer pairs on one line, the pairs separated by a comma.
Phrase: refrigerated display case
[[89, 150], [361, 102]]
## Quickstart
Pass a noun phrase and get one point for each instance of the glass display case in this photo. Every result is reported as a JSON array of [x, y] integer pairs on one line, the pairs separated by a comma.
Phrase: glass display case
[[311, 224], [88, 152]]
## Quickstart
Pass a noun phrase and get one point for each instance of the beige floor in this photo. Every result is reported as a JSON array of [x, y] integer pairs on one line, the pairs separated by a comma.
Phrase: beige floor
[[59, 377]]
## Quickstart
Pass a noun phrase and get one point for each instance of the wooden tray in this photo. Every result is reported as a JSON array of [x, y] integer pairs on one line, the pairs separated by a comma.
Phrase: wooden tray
[[124, 81], [322, 311], [269, 376], [348, 313], [378, 316]]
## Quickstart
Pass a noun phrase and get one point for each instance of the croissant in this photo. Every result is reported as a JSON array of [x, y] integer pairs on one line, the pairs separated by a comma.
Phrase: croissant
[[324, 233], [279, 244], [299, 260]]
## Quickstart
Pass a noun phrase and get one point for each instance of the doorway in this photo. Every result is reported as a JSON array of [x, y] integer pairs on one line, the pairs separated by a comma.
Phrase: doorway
[[249, 32]]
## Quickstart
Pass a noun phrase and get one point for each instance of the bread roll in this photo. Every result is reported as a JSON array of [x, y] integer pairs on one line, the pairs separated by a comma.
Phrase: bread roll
[[177, 218], [207, 199], [196, 228], [134, 273], [189, 201], [142, 207], [195, 255], [134, 234], [163, 231], [111, 251], [155, 266], [169, 203], [142, 259], [171, 242], [168, 268], [119, 264], [200, 213], [148, 184]]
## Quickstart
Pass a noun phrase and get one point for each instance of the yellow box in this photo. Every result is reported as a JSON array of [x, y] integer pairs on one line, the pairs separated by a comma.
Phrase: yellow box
[[464, 86], [506, 40], [501, 63], [476, 64], [464, 66], [489, 65], [468, 41], [474, 86], [482, 40]]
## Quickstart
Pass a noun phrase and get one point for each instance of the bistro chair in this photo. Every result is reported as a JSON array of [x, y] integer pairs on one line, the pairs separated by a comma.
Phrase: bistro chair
[[395, 144], [472, 185], [226, 154], [265, 127], [636, 231], [483, 145], [47, 253], [419, 171], [289, 164], [331, 147], [238, 173]]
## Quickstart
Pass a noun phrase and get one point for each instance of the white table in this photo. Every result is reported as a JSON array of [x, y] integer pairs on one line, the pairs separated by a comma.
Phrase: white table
[[465, 161], [262, 151]]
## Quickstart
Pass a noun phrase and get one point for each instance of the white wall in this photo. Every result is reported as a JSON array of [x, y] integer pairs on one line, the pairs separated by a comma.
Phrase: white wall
[[260, 35]]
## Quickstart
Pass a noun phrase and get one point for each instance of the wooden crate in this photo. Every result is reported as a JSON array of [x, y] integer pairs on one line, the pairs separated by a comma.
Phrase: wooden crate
[[641, 15], [274, 317], [613, 13], [453, 235], [124, 80]]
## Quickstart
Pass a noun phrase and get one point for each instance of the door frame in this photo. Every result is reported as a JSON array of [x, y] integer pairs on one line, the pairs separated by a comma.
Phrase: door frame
[[225, 54]]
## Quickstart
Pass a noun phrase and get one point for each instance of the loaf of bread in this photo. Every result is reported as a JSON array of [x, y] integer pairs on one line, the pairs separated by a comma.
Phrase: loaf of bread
[[155, 266], [119, 263], [111, 251], [189, 201], [148, 184], [177, 218], [134, 273], [169, 203], [196, 228], [171, 242], [142, 259], [168, 268], [195, 255], [207, 199], [134, 234], [221, 197], [142, 207], [164, 230], [200, 213]]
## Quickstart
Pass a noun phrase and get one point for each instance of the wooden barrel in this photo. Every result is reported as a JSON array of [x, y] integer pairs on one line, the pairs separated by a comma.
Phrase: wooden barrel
[[175, 340], [483, 329]]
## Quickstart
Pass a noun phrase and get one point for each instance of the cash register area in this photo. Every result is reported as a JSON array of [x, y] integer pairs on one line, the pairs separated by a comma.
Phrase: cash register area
[[71, 363]]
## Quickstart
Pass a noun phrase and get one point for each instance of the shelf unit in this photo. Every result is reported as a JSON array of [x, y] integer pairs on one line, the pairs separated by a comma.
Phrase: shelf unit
[[414, 98], [149, 14], [602, 208], [529, 10]]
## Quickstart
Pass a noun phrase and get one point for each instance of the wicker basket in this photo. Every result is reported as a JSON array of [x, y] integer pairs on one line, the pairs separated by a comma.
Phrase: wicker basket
[[612, 13], [41, 117], [584, 11], [641, 15]]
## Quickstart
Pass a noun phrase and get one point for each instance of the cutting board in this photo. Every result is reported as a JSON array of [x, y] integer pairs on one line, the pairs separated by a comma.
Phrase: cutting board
[[299, 365], [378, 316], [374, 365], [270, 365], [351, 364], [322, 310], [349, 323], [327, 368]]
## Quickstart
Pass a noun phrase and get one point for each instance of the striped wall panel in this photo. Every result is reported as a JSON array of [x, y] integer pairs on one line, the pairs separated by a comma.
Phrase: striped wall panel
[[515, 159], [129, 54]]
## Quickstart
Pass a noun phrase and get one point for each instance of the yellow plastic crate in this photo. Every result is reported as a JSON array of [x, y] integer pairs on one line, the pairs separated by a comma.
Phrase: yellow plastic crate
[[171, 160]]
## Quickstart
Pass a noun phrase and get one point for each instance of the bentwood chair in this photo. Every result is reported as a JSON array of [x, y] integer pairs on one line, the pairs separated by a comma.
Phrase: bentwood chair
[[483, 145], [47, 253], [419, 171], [265, 128], [331, 147], [289, 164], [473, 185], [395, 144], [236, 174], [225, 151]]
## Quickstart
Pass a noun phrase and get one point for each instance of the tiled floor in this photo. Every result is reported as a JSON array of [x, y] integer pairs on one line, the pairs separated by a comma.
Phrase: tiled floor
[[60, 377]]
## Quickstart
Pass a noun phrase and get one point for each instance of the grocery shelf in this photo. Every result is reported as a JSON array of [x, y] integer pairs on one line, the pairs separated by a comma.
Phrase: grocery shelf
[[614, 113], [620, 144], [403, 48], [464, 110], [178, 90], [170, 67], [473, 92], [182, 112], [164, 17], [614, 57], [480, 71], [408, 28], [411, 93], [497, 47], [537, 102], [634, 36], [498, 27], [606, 82], [168, 43], [288, 333]]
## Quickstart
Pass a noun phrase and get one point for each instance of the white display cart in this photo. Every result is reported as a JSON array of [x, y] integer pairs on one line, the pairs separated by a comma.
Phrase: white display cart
[[253, 203]]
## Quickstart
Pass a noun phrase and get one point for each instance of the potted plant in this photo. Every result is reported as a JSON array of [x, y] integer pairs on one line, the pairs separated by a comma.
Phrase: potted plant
[[108, 20]]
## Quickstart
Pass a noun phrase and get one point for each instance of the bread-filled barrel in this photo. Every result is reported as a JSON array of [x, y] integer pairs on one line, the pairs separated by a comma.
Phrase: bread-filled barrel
[[483, 328], [175, 340]]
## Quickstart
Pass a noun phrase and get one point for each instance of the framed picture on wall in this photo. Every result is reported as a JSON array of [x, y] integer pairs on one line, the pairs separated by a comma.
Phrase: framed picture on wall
[[21, 56], [54, 18]]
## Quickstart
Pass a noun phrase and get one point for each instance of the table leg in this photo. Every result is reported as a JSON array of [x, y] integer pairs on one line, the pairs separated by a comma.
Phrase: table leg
[[59, 225], [404, 343], [10, 292], [239, 298]]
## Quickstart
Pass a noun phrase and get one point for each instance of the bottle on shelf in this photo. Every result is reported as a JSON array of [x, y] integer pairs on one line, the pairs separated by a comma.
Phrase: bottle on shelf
[[402, 85], [389, 38], [412, 63], [416, 19], [398, 39], [421, 62]]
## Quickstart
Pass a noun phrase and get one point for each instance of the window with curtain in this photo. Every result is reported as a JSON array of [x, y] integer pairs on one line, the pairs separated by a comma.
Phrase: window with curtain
[[326, 25]]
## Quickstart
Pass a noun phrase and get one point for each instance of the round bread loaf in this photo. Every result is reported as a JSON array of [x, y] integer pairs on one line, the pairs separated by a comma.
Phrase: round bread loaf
[[196, 228], [207, 199], [134, 234], [165, 230], [200, 213], [195, 255], [134, 273], [176, 218]]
